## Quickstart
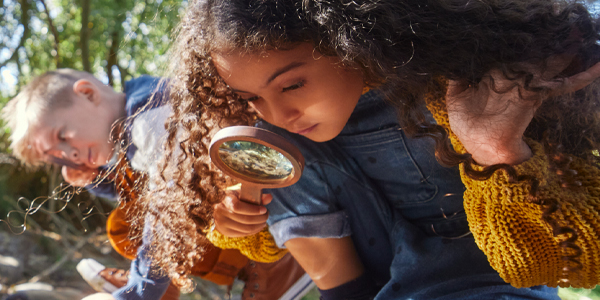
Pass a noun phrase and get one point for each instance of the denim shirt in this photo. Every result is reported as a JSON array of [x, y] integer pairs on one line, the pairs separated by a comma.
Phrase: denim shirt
[[402, 209]]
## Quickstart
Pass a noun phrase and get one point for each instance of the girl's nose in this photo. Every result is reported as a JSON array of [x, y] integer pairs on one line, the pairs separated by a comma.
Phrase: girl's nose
[[283, 115]]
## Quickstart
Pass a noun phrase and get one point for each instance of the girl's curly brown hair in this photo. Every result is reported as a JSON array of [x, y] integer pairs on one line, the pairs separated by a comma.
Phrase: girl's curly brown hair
[[401, 47]]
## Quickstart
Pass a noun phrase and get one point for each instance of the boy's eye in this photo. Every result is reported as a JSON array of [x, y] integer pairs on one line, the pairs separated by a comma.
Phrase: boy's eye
[[293, 87], [61, 136]]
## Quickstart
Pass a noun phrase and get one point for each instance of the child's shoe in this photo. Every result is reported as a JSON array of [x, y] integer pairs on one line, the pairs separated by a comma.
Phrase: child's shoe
[[281, 280], [108, 280], [102, 279]]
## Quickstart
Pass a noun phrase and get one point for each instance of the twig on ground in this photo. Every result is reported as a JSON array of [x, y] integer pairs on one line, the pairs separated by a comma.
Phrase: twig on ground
[[67, 257]]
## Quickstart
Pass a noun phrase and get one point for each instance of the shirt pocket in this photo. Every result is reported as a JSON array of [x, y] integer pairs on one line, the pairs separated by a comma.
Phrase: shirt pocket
[[385, 158]]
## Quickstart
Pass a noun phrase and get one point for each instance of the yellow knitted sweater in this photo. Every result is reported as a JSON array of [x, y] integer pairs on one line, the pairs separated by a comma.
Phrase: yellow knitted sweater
[[509, 229], [506, 226]]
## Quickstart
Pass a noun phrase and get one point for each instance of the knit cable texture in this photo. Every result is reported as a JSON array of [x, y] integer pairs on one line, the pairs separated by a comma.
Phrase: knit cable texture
[[260, 247], [509, 228]]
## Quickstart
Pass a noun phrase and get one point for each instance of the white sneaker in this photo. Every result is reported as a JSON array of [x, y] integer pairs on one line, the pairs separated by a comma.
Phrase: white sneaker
[[90, 271]]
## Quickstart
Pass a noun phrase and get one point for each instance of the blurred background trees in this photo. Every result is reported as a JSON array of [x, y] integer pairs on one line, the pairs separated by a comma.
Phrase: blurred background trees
[[45, 227], [115, 40]]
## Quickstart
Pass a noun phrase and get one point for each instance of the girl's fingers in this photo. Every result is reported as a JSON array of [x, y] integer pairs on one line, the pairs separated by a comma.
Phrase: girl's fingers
[[233, 228], [235, 218], [266, 199], [234, 204], [222, 210], [237, 234]]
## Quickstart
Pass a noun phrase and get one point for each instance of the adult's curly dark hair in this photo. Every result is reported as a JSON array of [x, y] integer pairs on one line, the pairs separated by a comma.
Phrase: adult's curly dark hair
[[401, 47]]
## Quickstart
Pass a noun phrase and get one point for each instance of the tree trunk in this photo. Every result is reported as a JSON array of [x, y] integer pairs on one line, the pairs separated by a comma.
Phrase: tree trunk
[[84, 36], [111, 61]]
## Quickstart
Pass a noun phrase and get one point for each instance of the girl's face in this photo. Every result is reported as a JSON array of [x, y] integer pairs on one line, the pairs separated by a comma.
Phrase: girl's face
[[299, 90]]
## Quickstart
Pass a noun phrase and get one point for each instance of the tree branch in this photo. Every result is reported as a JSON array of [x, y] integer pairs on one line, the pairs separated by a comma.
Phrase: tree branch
[[66, 258], [26, 32], [54, 33]]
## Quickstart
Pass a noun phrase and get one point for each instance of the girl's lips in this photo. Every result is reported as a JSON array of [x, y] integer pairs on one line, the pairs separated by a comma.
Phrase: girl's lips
[[307, 130]]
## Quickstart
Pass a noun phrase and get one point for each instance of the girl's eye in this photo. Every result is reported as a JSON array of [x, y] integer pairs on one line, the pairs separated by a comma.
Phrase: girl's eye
[[293, 87], [251, 99]]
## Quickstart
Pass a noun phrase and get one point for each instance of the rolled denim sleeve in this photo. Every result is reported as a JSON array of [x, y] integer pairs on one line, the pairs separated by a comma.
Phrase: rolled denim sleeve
[[306, 209], [333, 225]]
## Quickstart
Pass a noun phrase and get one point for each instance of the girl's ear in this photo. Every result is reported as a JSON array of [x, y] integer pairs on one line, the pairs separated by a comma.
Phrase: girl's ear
[[88, 90]]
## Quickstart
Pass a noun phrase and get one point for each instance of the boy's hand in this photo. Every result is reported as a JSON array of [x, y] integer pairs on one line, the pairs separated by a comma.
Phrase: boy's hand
[[491, 125], [236, 218], [79, 178]]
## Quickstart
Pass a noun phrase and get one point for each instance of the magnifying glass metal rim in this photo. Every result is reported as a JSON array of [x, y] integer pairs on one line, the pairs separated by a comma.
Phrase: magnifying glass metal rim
[[263, 137]]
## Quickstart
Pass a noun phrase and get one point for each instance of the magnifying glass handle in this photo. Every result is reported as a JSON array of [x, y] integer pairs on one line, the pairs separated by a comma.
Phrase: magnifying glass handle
[[251, 194]]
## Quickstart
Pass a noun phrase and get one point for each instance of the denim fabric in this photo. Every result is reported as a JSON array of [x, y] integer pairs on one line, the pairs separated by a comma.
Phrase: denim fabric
[[384, 181], [144, 283], [324, 200]]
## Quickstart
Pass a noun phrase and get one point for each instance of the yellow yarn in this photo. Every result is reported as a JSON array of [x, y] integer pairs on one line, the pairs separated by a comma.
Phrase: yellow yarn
[[509, 229], [259, 247]]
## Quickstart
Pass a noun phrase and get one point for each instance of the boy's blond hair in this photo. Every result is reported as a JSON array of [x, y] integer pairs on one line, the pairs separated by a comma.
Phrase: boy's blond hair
[[45, 93]]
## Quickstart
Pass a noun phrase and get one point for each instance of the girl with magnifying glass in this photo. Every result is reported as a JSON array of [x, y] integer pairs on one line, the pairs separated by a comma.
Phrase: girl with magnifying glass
[[372, 93]]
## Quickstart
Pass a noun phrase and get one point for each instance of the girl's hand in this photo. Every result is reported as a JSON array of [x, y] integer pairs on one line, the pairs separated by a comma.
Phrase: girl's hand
[[236, 218], [79, 178], [490, 125]]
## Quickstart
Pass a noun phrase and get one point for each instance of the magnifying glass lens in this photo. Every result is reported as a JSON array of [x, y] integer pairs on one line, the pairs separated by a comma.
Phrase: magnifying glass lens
[[255, 160]]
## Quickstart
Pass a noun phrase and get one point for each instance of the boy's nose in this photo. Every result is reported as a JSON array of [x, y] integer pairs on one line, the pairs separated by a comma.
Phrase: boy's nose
[[70, 153]]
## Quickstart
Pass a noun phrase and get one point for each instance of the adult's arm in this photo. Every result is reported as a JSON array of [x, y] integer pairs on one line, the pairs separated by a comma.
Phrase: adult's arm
[[510, 228]]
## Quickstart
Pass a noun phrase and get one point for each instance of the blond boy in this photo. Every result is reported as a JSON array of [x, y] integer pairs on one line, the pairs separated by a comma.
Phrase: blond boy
[[69, 116]]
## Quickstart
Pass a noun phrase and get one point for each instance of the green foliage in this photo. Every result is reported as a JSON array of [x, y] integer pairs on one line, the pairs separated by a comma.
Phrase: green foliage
[[580, 294], [123, 38]]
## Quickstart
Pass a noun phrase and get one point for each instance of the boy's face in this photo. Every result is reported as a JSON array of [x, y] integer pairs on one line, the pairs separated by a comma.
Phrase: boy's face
[[79, 133], [299, 90]]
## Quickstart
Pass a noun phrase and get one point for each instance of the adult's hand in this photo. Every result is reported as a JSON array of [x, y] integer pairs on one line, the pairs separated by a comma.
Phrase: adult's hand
[[491, 124]]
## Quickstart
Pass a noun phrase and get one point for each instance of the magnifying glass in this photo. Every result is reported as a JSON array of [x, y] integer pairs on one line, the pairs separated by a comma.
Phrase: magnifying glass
[[257, 158]]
